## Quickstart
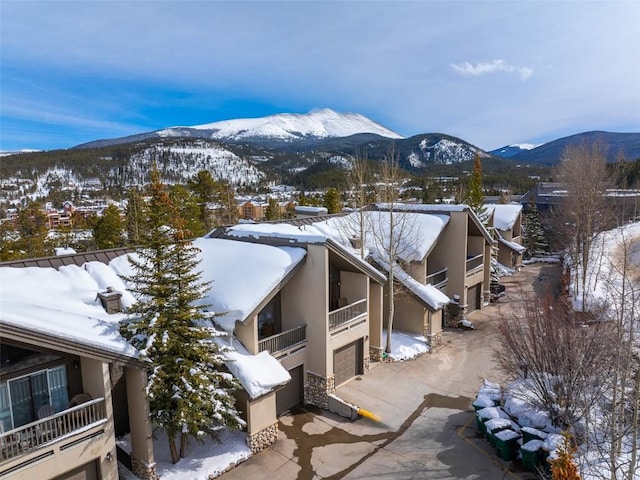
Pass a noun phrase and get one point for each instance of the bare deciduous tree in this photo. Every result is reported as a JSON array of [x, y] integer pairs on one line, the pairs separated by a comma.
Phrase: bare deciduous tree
[[583, 172], [394, 233], [562, 360]]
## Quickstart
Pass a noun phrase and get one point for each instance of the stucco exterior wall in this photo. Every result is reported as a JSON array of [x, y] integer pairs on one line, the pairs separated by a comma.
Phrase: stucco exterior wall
[[307, 300]]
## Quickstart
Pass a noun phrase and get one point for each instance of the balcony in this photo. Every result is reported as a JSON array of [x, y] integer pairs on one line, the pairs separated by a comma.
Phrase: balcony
[[437, 279], [284, 342], [474, 265], [40, 434], [347, 316]]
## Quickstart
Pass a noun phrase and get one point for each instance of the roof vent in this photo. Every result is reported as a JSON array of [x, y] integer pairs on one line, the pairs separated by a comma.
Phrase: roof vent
[[110, 300]]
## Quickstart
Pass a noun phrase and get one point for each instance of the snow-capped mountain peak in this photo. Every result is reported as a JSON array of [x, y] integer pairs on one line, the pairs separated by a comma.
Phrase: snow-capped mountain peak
[[324, 123], [509, 151]]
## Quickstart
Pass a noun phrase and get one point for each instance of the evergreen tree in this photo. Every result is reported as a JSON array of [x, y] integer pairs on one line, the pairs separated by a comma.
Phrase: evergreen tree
[[203, 185], [475, 196], [227, 207], [533, 234], [136, 216], [333, 201], [32, 227], [188, 391], [272, 211], [189, 210], [303, 200], [107, 230]]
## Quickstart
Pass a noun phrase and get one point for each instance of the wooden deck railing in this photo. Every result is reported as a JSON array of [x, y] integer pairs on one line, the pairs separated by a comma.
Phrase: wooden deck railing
[[346, 314], [32, 436], [284, 340]]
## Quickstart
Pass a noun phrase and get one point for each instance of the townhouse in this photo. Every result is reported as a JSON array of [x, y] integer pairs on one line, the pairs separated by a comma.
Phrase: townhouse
[[69, 383], [506, 220]]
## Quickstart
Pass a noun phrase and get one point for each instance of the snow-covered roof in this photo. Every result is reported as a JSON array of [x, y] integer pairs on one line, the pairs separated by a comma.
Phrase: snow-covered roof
[[302, 234], [504, 215], [516, 247], [419, 235], [64, 304], [425, 207], [429, 294], [309, 209], [243, 274]]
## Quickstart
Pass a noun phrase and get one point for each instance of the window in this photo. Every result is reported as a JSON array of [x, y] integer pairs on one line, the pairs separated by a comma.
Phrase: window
[[22, 397], [269, 319]]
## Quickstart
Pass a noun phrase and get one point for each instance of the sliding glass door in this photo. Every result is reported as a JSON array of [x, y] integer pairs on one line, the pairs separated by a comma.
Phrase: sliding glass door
[[21, 398]]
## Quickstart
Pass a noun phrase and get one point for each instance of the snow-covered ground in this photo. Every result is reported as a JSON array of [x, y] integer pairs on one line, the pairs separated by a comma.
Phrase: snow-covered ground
[[203, 459]]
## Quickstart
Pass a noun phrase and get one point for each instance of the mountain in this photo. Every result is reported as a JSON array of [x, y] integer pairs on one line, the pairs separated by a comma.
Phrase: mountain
[[509, 151], [273, 130], [614, 144]]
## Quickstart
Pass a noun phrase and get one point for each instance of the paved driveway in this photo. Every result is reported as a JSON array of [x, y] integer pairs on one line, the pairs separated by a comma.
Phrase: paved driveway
[[428, 426]]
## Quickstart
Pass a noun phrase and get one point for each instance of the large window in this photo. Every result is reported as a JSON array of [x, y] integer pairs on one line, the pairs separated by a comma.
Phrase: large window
[[22, 397], [269, 322]]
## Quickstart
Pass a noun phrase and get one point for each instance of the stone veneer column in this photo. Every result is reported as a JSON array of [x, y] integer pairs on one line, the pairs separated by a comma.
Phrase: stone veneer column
[[376, 354], [317, 390], [262, 439]]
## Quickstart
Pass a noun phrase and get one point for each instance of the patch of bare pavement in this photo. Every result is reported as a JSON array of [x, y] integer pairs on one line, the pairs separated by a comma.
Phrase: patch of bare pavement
[[427, 429]]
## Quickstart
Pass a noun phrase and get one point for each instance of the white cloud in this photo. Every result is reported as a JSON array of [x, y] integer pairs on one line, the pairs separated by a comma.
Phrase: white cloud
[[467, 68]]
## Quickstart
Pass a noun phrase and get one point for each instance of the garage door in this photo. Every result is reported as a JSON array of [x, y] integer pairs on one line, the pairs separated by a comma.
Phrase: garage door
[[347, 362], [473, 297], [292, 393], [85, 472]]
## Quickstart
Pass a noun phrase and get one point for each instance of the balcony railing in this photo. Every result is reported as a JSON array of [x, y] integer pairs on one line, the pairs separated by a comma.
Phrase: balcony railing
[[474, 265], [35, 435], [346, 314], [284, 340], [437, 279]]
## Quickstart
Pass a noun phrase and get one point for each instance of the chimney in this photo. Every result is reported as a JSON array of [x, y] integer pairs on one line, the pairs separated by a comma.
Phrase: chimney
[[110, 300]]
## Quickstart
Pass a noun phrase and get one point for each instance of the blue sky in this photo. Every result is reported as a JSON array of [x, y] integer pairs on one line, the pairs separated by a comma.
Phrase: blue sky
[[491, 73]]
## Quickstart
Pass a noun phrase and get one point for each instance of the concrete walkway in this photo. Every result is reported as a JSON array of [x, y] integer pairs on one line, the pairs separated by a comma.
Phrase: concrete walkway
[[427, 429]]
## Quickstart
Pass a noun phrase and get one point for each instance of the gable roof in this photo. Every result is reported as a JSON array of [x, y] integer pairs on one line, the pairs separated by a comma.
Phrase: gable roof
[[442, 209], [243, 275], [504, 215], [288, 234]]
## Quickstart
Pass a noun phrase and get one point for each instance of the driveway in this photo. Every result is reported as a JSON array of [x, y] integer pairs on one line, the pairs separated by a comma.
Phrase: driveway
[[427, 429]]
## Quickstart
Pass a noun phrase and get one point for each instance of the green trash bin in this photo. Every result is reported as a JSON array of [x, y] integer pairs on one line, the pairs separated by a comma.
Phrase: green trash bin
[[531, 453], [481, 426], [494, 426], [507, 444], [529, 433]]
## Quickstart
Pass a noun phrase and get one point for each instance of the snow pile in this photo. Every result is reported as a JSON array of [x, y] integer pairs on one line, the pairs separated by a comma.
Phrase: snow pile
[[259, 374], [405, 346]]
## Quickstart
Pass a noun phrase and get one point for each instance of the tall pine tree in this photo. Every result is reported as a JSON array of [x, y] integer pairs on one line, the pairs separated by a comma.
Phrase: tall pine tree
[[188, 391], [475, 195]]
